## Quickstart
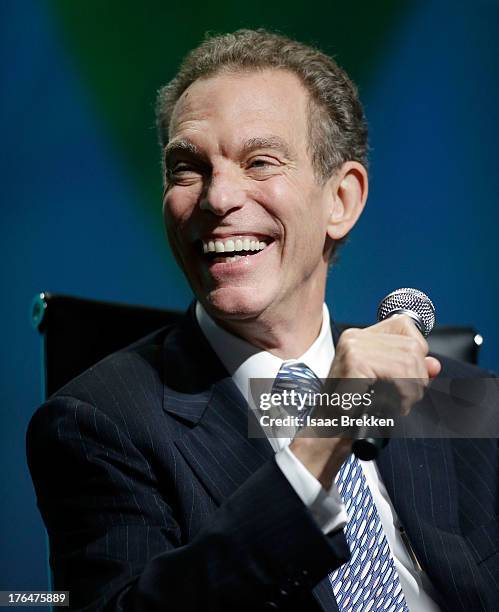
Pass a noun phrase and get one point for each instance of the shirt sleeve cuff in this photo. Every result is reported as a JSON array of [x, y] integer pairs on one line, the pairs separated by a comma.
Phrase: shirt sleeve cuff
[[326, 507]]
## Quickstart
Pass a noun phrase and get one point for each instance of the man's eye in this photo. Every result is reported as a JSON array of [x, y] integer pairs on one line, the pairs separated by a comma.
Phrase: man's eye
[[179, 168], [181, 172], [262, 162]]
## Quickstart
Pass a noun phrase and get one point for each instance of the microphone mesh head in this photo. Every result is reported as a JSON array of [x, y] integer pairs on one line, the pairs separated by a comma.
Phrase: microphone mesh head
[[412, 300]]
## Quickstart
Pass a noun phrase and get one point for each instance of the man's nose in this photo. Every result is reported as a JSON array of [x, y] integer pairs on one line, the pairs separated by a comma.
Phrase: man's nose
[[223, 193]]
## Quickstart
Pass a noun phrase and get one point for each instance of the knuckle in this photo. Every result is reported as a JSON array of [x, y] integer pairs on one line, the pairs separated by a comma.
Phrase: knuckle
[[399, 324], [408, 327], [400, 321], [347, 343], [388, 325], [348, 335]]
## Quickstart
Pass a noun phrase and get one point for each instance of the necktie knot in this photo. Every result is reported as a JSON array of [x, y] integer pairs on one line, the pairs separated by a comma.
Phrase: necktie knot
[[297, 376], [297, 383]]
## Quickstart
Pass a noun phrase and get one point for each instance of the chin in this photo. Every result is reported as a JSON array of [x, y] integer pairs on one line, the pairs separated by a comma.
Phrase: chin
[[234, 303]]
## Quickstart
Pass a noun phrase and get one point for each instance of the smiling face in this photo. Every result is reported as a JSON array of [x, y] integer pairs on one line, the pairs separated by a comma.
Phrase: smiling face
[[245, 215]]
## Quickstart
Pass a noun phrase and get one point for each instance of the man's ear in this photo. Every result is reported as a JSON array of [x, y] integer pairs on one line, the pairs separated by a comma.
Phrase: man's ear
[[349, 187]]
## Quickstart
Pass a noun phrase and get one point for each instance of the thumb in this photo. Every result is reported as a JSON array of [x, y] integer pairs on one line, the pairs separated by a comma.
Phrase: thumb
[[433, 366]]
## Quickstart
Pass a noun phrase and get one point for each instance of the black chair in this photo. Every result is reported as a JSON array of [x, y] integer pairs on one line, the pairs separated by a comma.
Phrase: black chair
[[79, 332]]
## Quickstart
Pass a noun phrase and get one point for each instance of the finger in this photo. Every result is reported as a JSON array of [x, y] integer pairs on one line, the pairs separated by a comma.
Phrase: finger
[[433, 366], [403, 325]]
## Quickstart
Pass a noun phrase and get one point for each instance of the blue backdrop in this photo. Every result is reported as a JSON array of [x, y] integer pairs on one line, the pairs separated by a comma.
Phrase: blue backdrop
[[81, 183]]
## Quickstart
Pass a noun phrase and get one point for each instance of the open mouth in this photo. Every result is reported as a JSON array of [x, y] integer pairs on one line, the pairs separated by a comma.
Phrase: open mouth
[[234, 248]]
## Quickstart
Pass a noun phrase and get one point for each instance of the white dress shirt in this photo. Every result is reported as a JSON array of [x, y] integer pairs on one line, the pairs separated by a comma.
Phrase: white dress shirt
[[244, 361]]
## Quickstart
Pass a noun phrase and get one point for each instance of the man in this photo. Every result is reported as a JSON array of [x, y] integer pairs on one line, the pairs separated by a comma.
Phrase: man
[[153, 495]]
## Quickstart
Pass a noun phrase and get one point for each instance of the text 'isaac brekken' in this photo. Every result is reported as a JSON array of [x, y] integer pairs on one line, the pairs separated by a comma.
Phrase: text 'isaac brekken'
[[341, 421]]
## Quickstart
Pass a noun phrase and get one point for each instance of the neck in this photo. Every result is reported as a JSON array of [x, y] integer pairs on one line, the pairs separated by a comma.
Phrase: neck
[[286, 335]]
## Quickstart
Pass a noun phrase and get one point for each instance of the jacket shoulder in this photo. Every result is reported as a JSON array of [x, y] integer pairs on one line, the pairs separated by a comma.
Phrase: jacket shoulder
[[121, 372], [125, 389]]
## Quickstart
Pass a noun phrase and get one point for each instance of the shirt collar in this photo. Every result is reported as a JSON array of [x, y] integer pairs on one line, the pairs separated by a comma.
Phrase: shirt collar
[[244, 361]]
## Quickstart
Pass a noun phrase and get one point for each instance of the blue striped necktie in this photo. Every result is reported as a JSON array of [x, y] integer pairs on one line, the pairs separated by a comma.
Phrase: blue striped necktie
[[298, 377], [369, 580]]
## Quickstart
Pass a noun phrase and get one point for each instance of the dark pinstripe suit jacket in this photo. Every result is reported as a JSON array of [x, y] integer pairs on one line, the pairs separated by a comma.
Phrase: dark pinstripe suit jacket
[[155, 499]]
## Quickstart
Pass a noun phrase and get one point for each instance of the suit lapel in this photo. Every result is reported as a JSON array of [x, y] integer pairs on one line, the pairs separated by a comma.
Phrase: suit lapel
[[199, 391]]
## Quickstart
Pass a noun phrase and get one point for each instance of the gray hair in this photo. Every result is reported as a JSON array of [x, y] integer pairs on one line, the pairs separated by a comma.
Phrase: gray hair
[[337, 126]]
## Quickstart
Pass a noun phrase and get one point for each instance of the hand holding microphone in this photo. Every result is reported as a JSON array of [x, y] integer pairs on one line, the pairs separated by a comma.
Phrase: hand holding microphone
[[406, 355], [393, 349]]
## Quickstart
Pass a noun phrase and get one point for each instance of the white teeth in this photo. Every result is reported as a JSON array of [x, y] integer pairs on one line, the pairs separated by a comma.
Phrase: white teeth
[[230, 245]]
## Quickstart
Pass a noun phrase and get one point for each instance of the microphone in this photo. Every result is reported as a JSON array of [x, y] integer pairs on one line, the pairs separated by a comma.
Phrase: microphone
[[418, 306]]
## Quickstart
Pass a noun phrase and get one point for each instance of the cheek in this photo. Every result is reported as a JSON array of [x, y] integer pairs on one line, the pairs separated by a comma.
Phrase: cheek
[[175, 217], [178, 206], [280, 198], [297, 206]]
